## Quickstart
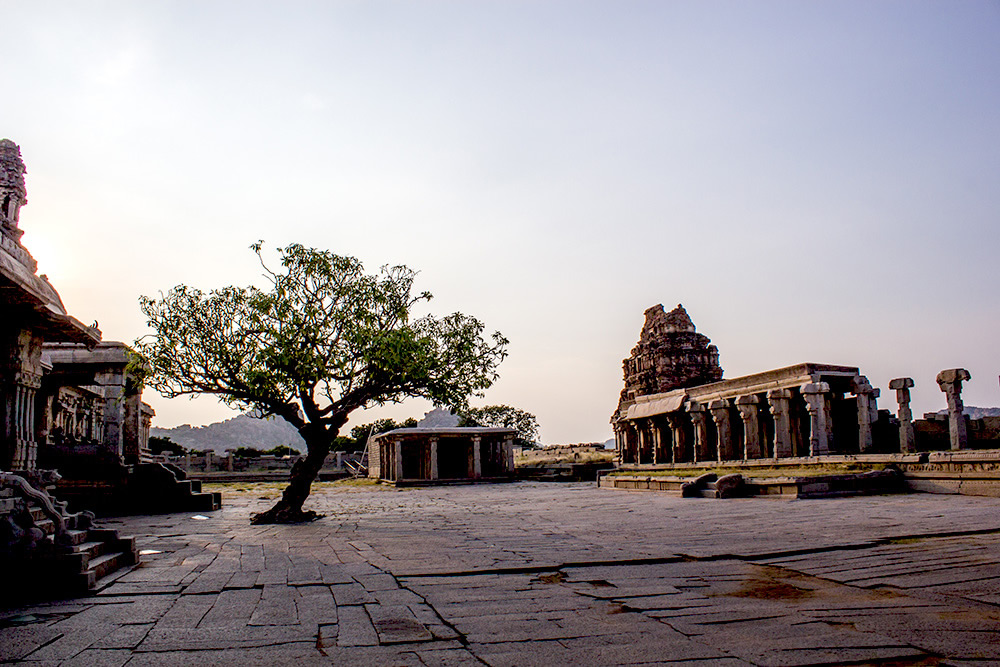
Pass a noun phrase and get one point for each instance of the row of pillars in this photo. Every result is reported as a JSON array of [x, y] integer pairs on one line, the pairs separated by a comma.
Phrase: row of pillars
[[817, 396], [476, 467], [950, 382]]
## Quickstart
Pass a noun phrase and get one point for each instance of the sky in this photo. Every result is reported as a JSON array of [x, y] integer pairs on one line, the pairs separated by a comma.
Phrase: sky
[[814, 181]]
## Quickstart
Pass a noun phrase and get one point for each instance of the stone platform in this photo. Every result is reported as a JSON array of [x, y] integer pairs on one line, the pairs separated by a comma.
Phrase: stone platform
[[531, 573], [964, 472]]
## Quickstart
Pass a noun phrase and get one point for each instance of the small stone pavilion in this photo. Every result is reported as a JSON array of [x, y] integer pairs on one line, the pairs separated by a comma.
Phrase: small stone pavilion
[[421, 456]]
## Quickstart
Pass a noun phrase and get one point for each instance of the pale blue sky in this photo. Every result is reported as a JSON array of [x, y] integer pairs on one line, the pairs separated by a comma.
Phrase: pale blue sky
[[813, 180]]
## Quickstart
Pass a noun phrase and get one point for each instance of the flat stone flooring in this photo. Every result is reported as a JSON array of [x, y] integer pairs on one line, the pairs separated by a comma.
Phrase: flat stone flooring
[[542, 574]]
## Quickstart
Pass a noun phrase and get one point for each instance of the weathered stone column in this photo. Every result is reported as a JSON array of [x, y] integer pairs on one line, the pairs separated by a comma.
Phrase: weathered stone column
[[721, 415], [678, 443], [907, 438], [397, 450], [619, 444], [865, 400], [508, 454], [780, 406], [654, 432], [434, 457], [817, 397], [477, 456], [700, 420], [748, 407], [950, 382]]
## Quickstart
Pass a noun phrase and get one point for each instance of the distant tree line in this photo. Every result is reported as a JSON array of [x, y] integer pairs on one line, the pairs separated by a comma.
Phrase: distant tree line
[[502, 416]]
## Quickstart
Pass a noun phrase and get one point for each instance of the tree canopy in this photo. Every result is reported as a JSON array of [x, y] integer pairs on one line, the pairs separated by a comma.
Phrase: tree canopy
[[503, 416], [325, 339]]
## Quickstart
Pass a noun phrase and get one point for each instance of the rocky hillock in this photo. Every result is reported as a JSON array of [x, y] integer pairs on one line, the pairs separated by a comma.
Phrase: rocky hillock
[[240, 431]]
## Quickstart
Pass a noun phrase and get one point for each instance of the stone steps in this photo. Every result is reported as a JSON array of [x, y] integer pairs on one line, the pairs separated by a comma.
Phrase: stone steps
[[73, 565]]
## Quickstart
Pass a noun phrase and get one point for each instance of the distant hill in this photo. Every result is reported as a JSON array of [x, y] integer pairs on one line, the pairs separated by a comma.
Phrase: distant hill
[[241, 431], [976, 413]]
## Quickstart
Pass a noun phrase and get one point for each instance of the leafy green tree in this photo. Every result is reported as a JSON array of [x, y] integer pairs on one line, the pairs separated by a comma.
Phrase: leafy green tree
[[361, 432], [246, 453], [503, 416], [282, 450], [158, 445], [324, 339]]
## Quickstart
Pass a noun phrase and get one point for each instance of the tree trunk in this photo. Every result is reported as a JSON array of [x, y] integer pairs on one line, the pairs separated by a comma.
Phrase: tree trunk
[[304, 472]]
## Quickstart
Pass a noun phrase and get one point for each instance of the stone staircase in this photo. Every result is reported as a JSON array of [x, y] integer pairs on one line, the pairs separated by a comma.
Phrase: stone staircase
[[150, 488], [82, 560], [47, 552]]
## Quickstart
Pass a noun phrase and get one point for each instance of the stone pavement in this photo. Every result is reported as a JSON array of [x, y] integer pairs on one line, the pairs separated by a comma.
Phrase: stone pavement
[[525, 574]]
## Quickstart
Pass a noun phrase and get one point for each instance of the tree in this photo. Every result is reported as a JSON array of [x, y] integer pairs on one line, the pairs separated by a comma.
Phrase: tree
[[503, 416], [158, 445], [361, 432], [247, 453], [282, 450], [323, 340]]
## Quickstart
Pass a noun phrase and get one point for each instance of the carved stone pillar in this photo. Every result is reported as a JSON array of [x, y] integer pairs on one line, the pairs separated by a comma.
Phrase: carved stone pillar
[[907, 438], [779, 401], [619, 444], [817, 397], [477, 456], [434, 457], [865, 399], [748, 407], [640, 441], [657, 441], [721, 410], [508, 454], [397, 450], [678, 442], [699, 419], [950, 382]]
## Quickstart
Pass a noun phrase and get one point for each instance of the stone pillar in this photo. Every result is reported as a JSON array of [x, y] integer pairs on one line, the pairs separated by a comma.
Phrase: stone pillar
[[748, 407], [720, 415], [678, 442], [229, 461], [654, 432], [700, 420], [619, 458], [397, 449], [865, 399], [208, 460], [434, 457], [907, 438], [950, 382], [817, 397], [477, 456], [508, 455], [780, 406]]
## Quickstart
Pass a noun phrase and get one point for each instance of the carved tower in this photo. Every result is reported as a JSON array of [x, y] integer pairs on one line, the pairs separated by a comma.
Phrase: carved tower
[[670, 355]]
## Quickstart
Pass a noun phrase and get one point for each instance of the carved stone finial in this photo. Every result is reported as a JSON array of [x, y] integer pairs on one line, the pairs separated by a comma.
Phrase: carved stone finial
[[13, 194]]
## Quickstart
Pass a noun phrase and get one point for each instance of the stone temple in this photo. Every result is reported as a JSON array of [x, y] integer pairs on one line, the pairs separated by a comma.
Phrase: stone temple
[[670, 355]]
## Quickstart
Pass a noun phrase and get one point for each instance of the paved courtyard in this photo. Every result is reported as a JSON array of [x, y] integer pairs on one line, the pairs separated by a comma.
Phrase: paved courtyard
[[546, 574]]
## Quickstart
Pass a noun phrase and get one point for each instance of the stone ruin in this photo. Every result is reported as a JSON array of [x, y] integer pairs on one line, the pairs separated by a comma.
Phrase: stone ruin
[[72, 425], [670, 355], [675, 407]]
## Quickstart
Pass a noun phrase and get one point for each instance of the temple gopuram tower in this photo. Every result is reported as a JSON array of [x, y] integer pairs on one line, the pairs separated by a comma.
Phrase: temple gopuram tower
[[670, 355]]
